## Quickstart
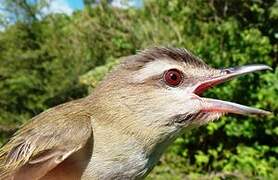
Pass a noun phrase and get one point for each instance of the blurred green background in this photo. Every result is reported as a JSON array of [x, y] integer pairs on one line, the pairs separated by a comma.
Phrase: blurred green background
[[50, 58]]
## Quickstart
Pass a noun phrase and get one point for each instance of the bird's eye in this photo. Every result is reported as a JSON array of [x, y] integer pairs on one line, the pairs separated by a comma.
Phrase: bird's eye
[[173, 77]]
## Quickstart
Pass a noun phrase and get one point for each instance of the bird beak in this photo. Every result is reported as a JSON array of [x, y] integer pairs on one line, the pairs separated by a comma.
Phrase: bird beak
[[213, 105]]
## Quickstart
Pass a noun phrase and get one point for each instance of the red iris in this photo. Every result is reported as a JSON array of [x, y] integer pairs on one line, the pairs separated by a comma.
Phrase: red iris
[[173, 77]]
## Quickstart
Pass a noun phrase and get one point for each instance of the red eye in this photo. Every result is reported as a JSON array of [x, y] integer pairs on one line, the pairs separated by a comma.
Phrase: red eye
[[173, 77]]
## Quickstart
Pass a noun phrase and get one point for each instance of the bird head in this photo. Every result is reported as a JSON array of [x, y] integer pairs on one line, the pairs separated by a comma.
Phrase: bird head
[[157, 92]]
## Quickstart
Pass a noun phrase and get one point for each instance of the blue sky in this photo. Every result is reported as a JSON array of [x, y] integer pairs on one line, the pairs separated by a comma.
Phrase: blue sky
[[75, 4], [78, 4], [68, 6]]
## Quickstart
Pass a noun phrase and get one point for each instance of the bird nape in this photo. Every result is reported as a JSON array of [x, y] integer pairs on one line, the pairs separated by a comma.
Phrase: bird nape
[[122, 128]]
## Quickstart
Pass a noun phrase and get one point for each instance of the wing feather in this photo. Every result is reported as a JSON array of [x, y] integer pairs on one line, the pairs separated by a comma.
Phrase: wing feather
[[52, 136]]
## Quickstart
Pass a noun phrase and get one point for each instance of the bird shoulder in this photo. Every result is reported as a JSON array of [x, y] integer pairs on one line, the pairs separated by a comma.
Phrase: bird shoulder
[[47, 139]]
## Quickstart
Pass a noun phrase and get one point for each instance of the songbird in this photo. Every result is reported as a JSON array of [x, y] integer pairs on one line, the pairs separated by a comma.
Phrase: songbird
[[123, 127]]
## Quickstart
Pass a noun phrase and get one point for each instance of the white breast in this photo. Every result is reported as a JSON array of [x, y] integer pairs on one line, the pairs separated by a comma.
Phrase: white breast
[[116, 156]]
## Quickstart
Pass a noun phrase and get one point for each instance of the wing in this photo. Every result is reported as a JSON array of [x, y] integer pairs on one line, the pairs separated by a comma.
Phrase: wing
[[46, 141]]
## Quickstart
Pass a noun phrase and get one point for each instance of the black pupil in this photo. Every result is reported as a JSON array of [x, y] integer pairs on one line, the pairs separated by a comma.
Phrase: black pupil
[[173, 76]]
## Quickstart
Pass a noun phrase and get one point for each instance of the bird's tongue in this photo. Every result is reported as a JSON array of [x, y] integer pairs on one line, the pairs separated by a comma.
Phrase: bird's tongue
[[213, 105]]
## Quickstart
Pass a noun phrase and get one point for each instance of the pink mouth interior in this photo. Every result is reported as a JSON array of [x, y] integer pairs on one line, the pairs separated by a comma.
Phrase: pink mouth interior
[[209, 83], [206, 85], [202, 88]]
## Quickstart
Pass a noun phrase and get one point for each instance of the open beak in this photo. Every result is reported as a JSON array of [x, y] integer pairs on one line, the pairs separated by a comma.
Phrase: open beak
[[213, 105]]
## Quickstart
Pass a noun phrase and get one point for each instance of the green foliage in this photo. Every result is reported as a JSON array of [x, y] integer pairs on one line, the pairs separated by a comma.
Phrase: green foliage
[[93, 77], [55, 59]]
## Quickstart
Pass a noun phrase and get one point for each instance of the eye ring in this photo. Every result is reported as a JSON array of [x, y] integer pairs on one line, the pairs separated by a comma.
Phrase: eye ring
[[173, 77]]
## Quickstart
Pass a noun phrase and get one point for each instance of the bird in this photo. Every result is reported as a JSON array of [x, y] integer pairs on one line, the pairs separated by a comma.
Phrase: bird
[[122, 128]]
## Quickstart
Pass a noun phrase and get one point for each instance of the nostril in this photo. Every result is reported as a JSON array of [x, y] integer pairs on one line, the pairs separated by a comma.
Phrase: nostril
[[226, 71]]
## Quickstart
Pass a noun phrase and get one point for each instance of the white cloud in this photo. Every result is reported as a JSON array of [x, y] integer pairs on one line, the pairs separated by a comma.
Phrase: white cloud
[[2, 28], [122, 3], [3, 17], [58, 6]]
